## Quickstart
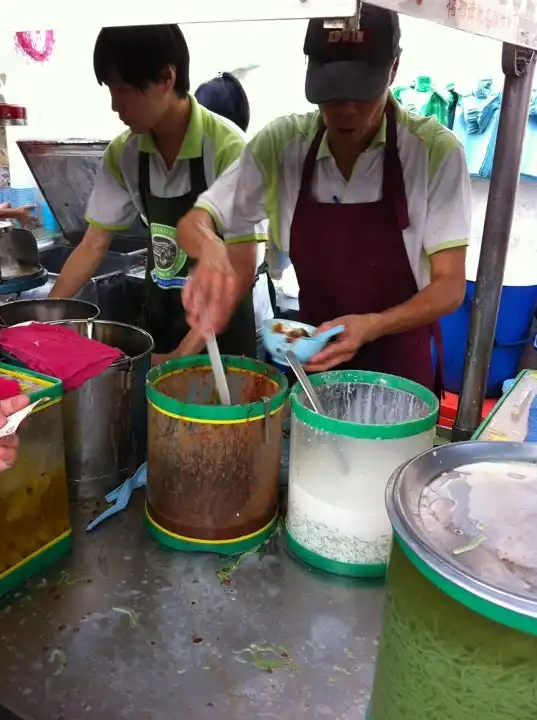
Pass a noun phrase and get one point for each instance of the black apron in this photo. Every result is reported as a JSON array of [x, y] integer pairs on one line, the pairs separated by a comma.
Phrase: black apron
[[168, 267]]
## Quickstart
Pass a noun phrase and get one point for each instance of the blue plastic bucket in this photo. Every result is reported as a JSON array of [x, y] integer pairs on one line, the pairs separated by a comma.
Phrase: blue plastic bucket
[[515, 318]]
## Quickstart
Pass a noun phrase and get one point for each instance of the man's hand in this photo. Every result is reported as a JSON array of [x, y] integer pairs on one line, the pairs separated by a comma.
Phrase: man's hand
[[359, 330], [210, 295], [209, 290], [9, 444]]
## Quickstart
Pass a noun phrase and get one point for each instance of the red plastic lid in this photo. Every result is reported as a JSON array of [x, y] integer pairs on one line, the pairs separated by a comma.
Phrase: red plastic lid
[[450, 403]]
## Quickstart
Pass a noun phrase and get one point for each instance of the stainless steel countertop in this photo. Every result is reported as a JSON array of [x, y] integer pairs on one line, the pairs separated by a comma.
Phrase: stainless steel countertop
[[124, 628]]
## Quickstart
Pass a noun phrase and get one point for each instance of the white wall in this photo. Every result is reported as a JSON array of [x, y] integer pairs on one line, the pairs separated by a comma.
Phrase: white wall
[[64, 100]]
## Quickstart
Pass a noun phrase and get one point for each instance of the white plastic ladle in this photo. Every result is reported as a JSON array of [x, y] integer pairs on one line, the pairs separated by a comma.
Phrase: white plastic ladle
[[218, 369]]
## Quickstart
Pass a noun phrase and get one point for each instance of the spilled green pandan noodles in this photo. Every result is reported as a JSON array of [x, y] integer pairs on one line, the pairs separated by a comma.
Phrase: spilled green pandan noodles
[[440, 661]]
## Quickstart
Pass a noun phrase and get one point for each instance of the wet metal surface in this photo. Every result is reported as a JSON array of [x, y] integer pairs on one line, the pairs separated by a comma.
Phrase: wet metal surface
[[127, 629]]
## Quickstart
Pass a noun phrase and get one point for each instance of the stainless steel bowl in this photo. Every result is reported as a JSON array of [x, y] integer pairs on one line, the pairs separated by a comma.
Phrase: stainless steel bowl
[[46, 310]]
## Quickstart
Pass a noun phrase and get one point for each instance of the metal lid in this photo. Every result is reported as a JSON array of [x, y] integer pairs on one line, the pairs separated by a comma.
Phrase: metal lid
[[65, 171], [466, 515]]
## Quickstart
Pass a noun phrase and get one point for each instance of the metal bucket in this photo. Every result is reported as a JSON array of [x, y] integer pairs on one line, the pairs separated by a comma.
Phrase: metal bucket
[[105, 420], [212, 477], [46, 310]]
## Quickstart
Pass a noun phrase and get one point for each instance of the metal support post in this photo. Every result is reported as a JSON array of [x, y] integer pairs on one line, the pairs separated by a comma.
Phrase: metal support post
[[518, 65]]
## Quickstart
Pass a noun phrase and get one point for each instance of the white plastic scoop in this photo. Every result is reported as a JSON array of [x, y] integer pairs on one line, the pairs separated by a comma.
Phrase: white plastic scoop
[[14, 420], [218, 369], [216, 363]]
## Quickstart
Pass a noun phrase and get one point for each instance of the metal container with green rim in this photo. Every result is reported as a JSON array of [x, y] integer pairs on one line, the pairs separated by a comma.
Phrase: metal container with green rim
[[459, 637], [35, 529], [212, 470], [341, 462]]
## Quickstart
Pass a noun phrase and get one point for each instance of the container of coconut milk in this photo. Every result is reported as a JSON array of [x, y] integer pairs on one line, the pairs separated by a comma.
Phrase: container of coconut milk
[[340, 464]]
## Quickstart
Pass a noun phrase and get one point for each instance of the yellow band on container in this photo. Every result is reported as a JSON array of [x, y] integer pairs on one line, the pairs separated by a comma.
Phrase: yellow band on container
[[21, 375], [45, 405], [208, 542], [212, 422]]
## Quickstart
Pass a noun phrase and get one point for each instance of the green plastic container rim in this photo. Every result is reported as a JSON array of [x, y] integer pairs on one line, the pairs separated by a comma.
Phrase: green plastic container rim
[[334, 567], [36, 563], [214, 413], [236, 547], [52, 387], [489, 610], [366, 432]]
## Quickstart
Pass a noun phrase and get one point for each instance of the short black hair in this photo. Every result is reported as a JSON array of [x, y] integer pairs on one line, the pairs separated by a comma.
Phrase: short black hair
[[140, 55], [225, 95]]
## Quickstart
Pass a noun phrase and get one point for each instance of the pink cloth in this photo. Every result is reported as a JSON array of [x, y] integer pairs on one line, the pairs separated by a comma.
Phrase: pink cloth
[[59, 352], [9, 387]]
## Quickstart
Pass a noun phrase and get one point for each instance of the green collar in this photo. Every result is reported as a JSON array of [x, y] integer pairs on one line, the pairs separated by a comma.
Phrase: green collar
[[378, 140], [192, 146]]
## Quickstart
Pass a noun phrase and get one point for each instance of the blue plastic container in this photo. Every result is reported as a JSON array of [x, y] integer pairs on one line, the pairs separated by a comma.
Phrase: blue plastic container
[[515, 318], [47, 218]]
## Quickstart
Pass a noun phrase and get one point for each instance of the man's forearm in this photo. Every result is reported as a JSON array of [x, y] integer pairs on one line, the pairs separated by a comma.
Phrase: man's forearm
[[79, 268], [433, 302], [196, 233]]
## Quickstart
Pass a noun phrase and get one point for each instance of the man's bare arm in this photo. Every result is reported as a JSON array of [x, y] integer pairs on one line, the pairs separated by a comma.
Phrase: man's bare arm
[[83, 262]]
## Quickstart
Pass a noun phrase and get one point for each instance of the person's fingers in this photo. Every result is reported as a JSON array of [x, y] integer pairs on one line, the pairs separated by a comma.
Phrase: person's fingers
[[27, 208], [340, 346], [328, 326], [9, 442], [328, 364], [332, 355], [11, 405]]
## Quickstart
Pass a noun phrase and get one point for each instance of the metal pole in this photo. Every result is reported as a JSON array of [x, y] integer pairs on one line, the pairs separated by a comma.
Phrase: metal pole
[[518, 65]]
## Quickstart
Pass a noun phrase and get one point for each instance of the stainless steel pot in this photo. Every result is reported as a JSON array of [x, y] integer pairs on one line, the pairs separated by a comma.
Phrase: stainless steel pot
[[105, 420], [46, 310]]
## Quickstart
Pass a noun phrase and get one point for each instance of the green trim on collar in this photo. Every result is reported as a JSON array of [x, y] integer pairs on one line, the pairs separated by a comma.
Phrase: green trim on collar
[[192, 146], [146, 143]]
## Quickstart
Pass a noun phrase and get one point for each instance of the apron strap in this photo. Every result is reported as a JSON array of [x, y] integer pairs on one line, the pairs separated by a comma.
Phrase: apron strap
[[143, 180], [309, 166], [393, 182], [198, 182]]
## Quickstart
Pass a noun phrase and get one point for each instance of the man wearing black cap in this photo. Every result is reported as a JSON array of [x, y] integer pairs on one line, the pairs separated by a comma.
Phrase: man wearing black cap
[[371, 204]]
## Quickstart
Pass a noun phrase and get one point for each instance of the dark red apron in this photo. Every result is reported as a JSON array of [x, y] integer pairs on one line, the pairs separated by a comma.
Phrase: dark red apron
[[351, 260]]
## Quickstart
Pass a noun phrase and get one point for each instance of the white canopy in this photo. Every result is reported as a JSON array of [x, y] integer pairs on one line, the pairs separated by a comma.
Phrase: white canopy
[[50, 14]]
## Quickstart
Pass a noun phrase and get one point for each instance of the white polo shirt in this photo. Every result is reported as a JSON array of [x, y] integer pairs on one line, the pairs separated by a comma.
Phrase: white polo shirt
[[115, 201], [265, 181]]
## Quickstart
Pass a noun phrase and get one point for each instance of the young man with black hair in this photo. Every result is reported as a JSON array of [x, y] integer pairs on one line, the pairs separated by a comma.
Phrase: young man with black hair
[[173, 151]]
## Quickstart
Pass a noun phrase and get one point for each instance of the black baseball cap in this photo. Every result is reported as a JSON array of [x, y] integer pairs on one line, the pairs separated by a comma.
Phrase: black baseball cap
[[352, 65]]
